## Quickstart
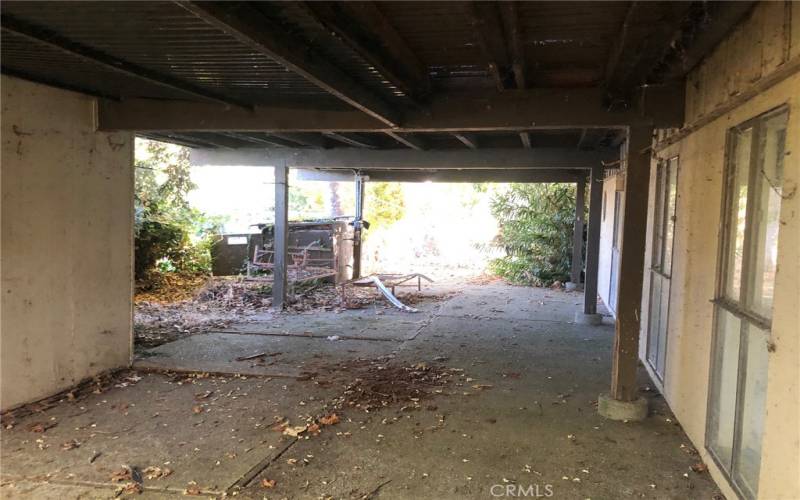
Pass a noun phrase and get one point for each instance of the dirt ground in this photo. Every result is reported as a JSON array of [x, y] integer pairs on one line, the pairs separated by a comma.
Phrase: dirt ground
[[487, 392]]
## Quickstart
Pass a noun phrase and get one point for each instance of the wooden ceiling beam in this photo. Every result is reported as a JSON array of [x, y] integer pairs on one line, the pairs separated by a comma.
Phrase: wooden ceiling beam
[[244, 23], [530, 175], [513, 111], [410, 159], [363, 27]]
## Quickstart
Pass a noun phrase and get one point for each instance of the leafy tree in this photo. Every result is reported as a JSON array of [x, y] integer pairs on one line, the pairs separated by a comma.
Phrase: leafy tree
[[170, 235], [385, 204], [536, 225]]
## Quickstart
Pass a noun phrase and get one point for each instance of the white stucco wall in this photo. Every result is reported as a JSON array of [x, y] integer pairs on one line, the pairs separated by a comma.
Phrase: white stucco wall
[[759, 47], [66, 246]]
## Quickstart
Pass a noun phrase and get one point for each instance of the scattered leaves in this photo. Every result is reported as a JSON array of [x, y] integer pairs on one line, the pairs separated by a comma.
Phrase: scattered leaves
[[331, 419], [267, 483], [154, 472], [192, 489]]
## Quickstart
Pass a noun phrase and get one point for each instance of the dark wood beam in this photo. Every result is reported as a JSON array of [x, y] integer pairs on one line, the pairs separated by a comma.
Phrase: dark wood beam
[[512, 110], [410, 159], [468, 140], [525, 137], [408, 140], [363, 27], [244, 23], [351, 140], [96, 57], [496, 175], [490, 38], [510, 12]]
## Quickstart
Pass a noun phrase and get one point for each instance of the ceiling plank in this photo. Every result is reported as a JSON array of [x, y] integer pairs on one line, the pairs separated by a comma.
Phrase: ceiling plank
[[250, 27], [363, 27], [468, 140], [490, 37], [94, 56], [408, 140]]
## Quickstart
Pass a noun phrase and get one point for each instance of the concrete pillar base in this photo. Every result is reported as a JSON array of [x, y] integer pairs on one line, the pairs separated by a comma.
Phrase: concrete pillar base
[[588, 319], [571, 287], [631, 411]]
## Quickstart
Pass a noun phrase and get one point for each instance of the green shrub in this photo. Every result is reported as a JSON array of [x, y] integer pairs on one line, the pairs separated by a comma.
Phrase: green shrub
[[169, 235], [536, 226]]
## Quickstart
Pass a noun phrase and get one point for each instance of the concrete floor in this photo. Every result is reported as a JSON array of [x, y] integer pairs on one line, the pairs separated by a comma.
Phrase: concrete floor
[[535, 429]]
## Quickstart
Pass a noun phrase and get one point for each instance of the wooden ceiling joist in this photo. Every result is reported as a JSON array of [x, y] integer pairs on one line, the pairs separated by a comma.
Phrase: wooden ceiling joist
[[363, 27], [245, 24]]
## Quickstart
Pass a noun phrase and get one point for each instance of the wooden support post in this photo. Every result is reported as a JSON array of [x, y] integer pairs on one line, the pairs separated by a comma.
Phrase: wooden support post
[[593, 240], [281, 233], [577, 233], [631, 264], [358, 226]]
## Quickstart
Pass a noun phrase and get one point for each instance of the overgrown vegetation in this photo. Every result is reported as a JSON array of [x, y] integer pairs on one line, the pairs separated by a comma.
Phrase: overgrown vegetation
[[536, 222], [170, 237], [385, 204]]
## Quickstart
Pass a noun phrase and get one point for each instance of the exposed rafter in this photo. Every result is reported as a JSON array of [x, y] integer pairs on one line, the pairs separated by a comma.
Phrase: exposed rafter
[[363, 27], [490, 37], [351, 140], [255, 138], [510, 12], [525, 137], [468, 140], [620, 45], [94, 56], [244, 23], [408, 140]]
